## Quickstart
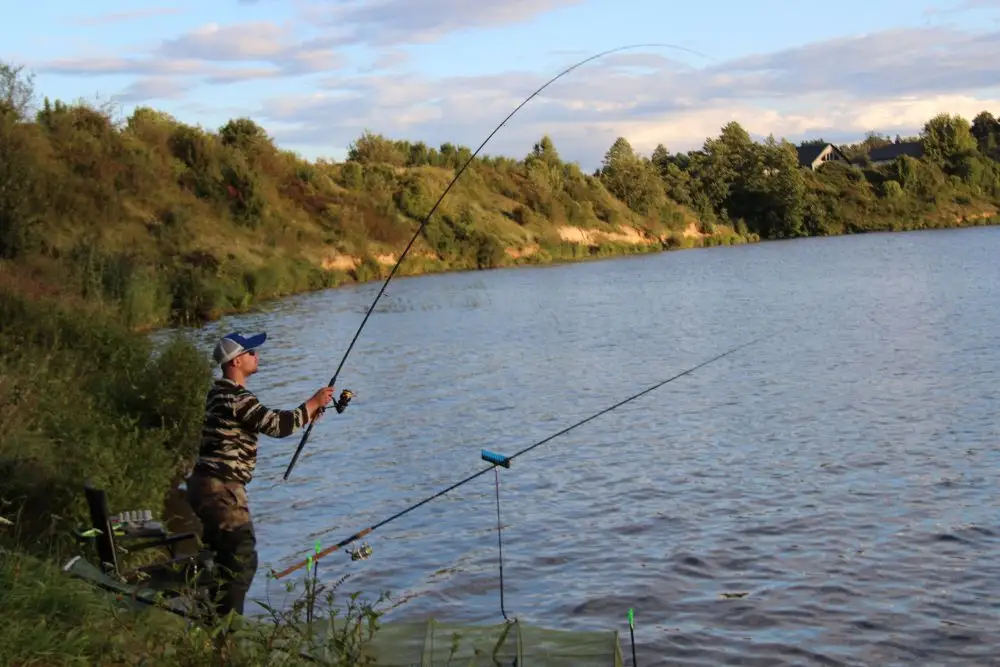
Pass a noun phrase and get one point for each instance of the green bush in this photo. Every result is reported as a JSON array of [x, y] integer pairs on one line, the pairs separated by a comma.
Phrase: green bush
[[90, 400]]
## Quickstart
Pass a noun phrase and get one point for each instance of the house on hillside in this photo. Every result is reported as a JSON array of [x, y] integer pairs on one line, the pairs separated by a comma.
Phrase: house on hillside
[[813, 156], [888, 153]]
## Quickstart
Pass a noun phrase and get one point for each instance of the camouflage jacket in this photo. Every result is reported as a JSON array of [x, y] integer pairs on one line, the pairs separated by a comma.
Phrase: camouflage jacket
[[233, 418]]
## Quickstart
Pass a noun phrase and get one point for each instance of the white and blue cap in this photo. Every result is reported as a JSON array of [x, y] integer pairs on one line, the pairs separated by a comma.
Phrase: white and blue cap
[[233, 345]]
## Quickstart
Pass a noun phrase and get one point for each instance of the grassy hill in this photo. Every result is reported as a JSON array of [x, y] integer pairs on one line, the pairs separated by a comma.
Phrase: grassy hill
[[168, 222]]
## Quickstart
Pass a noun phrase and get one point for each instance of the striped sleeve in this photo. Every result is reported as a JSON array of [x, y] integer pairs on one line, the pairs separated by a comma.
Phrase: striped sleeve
[[257, 417]]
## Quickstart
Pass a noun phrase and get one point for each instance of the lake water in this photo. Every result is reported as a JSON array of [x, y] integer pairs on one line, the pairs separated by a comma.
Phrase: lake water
[[841, 473]]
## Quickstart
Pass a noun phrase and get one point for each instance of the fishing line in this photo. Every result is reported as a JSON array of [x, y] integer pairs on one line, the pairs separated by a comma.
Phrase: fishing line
[[501, 460], [496, 470], [333, 380]]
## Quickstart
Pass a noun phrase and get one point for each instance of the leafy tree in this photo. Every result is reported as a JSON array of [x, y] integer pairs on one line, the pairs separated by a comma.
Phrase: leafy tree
[[672, 171], [545, 151], [544, 165], [631, 178], [373, 148], [948, 141], [986, 130], [21, 195], [17, 91], [245, 135], [781, 191]]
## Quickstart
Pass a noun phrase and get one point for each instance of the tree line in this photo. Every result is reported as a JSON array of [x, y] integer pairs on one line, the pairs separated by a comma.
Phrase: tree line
[[137, 211], [761, 187]]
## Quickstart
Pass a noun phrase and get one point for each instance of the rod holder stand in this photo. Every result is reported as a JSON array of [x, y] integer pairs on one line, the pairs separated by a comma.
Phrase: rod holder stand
[[495, 459]]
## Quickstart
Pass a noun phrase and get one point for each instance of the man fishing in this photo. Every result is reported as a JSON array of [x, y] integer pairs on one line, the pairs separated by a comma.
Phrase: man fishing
[[227, 457]]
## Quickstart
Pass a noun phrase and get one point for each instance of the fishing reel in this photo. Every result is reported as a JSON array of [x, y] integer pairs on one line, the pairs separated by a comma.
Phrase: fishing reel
[[362, 552], [345, 398], [341, 404]]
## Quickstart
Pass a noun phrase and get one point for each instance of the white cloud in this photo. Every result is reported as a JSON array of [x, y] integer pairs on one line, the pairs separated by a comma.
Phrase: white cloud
[[199, 52], [585, 138], [98, 66], [388, 60], [683, 130], [393, 22], [261, 40], [150, 88], [979, 4], [890, 81]]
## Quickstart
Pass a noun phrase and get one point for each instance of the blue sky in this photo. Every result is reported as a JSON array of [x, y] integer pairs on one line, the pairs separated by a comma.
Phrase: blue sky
[[317, 74]]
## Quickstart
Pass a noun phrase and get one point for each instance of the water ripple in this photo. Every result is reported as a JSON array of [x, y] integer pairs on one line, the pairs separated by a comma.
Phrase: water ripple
[[822, 498]]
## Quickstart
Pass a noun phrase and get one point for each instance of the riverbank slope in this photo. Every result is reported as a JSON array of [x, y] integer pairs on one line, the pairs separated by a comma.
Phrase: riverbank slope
[[166, 222]]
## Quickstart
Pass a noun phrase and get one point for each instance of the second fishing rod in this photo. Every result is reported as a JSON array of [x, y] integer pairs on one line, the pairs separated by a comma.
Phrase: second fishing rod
[[496, 460]]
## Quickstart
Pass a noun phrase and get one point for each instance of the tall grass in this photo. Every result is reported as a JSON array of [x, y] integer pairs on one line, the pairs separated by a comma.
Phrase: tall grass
[[53, 620], [83, 398]]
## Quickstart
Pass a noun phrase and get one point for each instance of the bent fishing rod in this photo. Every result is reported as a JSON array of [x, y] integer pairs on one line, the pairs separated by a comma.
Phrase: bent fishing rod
[[345, 398], [499, 460]]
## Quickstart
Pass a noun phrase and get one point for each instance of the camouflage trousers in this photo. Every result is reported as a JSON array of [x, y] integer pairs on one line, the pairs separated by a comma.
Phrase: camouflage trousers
[[224, 512]]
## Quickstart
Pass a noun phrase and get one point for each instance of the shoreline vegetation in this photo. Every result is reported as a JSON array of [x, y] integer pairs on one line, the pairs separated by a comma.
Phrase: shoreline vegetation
[[168, 223], [109, 228]]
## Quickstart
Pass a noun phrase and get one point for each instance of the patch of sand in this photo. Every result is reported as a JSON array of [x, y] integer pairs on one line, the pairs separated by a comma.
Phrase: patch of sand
[[527, 251], [592, 237], [340, 263], [976, 216], [693, 232]]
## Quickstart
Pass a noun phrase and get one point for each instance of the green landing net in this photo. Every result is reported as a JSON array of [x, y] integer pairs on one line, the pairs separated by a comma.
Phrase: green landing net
[[429, 643], [435, 643]]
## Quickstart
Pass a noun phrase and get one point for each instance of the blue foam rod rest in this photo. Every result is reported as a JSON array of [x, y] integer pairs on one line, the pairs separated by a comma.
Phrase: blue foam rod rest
[[496, 459]]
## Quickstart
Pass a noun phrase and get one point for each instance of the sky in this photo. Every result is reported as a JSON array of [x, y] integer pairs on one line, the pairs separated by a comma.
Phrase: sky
[[316, 75]]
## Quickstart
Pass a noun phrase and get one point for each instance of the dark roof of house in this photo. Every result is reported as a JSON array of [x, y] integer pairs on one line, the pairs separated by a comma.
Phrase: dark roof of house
[[893, 151], [809, 152]]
